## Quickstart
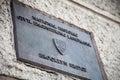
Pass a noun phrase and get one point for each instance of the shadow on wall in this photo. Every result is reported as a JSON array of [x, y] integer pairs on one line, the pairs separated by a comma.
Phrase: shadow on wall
[[118, 6], [3, 77]]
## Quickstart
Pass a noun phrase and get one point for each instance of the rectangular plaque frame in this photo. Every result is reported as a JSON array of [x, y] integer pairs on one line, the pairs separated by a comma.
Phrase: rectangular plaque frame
[[73, 70]]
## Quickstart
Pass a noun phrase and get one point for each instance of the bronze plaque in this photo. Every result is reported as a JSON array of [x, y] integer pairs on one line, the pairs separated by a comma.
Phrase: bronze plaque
[[54, 44]]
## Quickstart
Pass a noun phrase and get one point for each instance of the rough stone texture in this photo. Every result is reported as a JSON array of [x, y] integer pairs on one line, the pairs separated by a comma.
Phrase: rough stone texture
[[111, 6], [1, 1], [106, 32], [7, 78]]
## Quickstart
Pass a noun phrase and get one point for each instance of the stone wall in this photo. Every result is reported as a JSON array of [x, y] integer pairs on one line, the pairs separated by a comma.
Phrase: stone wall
[[4, 77], [111, 6], [106, 32]]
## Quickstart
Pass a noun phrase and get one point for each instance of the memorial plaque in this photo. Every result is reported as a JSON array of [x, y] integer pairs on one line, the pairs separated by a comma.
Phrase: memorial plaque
[[54, 44]]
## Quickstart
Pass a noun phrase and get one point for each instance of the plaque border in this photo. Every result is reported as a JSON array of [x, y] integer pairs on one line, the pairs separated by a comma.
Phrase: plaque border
[[45, 67]]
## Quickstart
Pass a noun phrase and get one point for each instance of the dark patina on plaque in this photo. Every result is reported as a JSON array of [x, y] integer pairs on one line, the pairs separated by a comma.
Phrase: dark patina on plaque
[[48, 42]]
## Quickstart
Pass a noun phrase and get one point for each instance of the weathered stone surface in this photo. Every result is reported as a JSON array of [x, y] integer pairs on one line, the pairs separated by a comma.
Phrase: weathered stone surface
[[106, 32], [111, 6], [7, 78], [1, 1]]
